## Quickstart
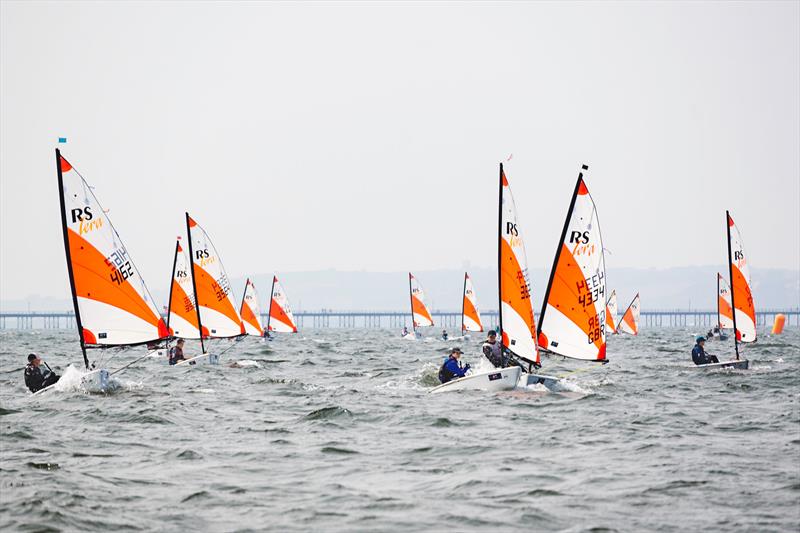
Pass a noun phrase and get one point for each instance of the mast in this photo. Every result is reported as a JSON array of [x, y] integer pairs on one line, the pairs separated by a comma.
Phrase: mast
[[194, 284], [172, 281], [411, 301], [730, 274], [500, 258], [719, 322], [271, 292], [558, 253], [244, 293], [69, 257], [463, 297]]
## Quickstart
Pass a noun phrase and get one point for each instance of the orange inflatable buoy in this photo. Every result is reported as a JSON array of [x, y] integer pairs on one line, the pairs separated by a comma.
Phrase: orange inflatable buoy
[[777, 327]]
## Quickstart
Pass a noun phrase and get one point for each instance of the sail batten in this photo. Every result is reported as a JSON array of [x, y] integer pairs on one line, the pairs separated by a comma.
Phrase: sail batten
[[113, 306], [280, 314], [470, 316], [517, 321], [573, 317]]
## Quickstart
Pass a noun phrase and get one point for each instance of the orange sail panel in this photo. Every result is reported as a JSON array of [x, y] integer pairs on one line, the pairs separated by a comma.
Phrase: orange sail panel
[[741, 293], [611, 313], [250, 313], [182, 318], [630, 320], [516, 309], [470, 316], [112, 302], [724, 309], [218, 315], [419, 311], [573, 318], [280, 314]]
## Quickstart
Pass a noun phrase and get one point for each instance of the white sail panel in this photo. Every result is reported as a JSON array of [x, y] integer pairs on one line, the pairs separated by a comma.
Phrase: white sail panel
[[280, 314], [572, 322], [250, 312], [471, 316], [742, 295], [218, 315], [419, 309], [724, 309], [113, 303], [611, 313], [182, 319], [630, 320], [516, 309]]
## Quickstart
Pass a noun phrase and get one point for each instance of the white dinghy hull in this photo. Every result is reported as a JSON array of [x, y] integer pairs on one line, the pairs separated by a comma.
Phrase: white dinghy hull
[[499, 379], [208, 358], [741, 364], [527, 380]]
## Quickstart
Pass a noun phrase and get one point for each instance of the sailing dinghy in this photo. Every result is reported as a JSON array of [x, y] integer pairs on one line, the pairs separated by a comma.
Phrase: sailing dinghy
[[280, 318], [611, 313], [250, 312], [217, 317], [744, 313], [470, 316], [113, 307], [630, 320], [420, 316]]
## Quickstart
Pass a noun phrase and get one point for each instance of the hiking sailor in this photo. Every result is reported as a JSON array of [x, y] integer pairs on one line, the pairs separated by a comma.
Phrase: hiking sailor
[[493, 350], [699, 355], [35, 379], [451, 368]]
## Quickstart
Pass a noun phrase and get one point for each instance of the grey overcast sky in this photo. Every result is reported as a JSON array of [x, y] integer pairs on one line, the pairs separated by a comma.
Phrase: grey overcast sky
[[367, 135]]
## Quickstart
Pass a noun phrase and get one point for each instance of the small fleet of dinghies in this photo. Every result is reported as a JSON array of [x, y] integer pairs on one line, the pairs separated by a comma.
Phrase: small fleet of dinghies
[[114, 308]]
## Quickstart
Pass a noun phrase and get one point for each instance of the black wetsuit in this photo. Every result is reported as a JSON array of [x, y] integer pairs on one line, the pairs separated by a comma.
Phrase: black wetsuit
[[175, 355], [36, 380], [700, 357]]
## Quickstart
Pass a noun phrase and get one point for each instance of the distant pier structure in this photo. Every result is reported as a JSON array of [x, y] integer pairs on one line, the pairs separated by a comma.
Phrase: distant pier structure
[[397, 319]]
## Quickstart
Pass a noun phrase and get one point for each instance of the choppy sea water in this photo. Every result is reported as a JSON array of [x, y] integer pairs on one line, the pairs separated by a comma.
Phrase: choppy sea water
[[333, 430]]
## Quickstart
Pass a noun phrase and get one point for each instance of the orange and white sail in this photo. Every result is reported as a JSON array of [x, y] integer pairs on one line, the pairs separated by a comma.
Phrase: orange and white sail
[[112, 304], [611, 313], [744, 317], [419, 311], [724, 308], [470, 316], [630, 320], [280, 314], [182, 313], [218, 317], [517, 321], [249, 311], [573, 317]]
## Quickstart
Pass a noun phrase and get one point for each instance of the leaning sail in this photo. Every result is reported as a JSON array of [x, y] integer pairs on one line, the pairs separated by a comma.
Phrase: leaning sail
[[182, 317], [572, 322], [611, 313], [516, 309], [421, 315], [741, 293], [470, 317], [280, 315], [218, 315], [113, 305], [724, 309], [250, 313], [630, 320]]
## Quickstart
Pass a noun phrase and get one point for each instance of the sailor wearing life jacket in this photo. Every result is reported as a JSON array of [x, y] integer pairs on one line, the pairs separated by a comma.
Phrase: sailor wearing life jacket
[[699, 355], [451, 368], [493, 350], [35, 379]]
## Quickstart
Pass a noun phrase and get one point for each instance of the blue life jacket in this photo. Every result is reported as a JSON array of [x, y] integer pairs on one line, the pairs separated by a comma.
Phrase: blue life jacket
[[450, 370]]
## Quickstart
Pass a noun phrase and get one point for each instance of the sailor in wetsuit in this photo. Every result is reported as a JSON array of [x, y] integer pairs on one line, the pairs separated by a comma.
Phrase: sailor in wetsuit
[[176, 353], [699, 355], [451, 368], [493, 350], [444, 334], [35, 379]]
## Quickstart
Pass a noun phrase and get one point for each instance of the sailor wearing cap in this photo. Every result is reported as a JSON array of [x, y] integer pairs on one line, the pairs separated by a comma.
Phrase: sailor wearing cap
[[451, 368], [699, 355], [35, 379]]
